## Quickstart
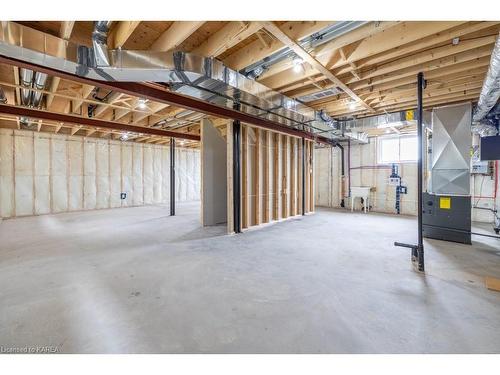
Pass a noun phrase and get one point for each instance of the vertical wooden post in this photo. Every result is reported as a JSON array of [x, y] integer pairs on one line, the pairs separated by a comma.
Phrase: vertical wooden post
[[267, 193], [284, 177]]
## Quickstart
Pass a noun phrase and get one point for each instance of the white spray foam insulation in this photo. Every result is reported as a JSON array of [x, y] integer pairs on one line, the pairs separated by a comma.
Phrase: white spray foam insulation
[[137, 163], [102, 180], [59, 173], [75, 173], [6, 173], [42, 173], [127, 174], [158, 172], [23, 159], [47, 173], [115, 174], [89, 175]]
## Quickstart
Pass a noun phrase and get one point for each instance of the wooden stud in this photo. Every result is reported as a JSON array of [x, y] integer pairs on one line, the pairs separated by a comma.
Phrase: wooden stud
[[256, 177], [266, 178], [284, 176], [244, 176], [276, 175]]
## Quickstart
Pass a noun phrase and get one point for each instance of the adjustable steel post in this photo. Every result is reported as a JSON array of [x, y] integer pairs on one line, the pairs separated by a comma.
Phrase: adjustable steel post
[[172, 176], [303, 176], [237, 173], [417, 251]]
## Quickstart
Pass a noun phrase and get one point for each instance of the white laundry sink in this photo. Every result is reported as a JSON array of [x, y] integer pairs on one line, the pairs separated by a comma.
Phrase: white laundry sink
[[360, 192]]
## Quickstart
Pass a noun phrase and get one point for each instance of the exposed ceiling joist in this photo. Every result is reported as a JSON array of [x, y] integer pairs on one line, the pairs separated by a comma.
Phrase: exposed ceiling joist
[[286, 40], [177, 33], [66, 29], [121, 33], [226, 38], [255, 51]]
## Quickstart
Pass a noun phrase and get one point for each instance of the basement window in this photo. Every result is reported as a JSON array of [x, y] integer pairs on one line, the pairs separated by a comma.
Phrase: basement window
[[397, 149]]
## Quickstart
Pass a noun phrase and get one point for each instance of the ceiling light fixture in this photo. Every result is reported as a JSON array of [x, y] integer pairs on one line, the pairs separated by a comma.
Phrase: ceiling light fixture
[[297, 64], [352, 105], [142, 103]]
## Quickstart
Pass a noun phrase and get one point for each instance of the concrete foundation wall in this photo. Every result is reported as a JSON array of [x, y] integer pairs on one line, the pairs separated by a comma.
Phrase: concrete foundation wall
[[365, 172], [43, 173]]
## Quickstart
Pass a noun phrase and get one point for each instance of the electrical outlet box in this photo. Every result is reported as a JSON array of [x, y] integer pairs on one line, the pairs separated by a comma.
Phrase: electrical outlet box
[[123, 195], [394, 181], [480, 167]]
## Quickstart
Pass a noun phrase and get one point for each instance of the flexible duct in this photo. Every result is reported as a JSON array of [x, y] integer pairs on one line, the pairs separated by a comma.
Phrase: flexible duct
[[491, 86]]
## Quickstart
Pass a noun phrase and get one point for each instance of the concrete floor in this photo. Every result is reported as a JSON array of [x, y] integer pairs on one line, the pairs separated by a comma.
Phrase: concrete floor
[[136, 280]]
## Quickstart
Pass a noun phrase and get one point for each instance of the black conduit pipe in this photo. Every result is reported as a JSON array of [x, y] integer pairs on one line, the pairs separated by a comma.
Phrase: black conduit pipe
[[342, 168]]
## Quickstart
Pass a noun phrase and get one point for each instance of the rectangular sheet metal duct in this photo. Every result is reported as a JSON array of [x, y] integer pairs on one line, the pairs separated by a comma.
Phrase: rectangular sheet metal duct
[[194, 77], [451, 142]]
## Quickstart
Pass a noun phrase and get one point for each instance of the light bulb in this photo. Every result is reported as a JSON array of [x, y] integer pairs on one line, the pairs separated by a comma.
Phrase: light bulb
[[142, 103], [352, 106], [297, 64]]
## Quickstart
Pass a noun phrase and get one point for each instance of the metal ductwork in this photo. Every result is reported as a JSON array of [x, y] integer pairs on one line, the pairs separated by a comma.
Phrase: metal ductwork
[[29, 97], [38, 84], [100, 42], [451, 142], [27, 83], [490, 92], [200, 77], [313, 41]]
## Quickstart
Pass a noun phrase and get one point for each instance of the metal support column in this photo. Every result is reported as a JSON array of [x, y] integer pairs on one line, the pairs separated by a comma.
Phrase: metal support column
[[342, 175], [417, 251], [303, 176], [237, 173], [172, 176]]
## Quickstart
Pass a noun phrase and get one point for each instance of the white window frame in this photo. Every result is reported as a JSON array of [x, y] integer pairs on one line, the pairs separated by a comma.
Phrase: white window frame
[[379, 150]]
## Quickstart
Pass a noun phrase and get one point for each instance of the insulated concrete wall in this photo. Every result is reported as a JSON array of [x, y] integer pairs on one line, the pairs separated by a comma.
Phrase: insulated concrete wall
[[365, 172], [43, 173]]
